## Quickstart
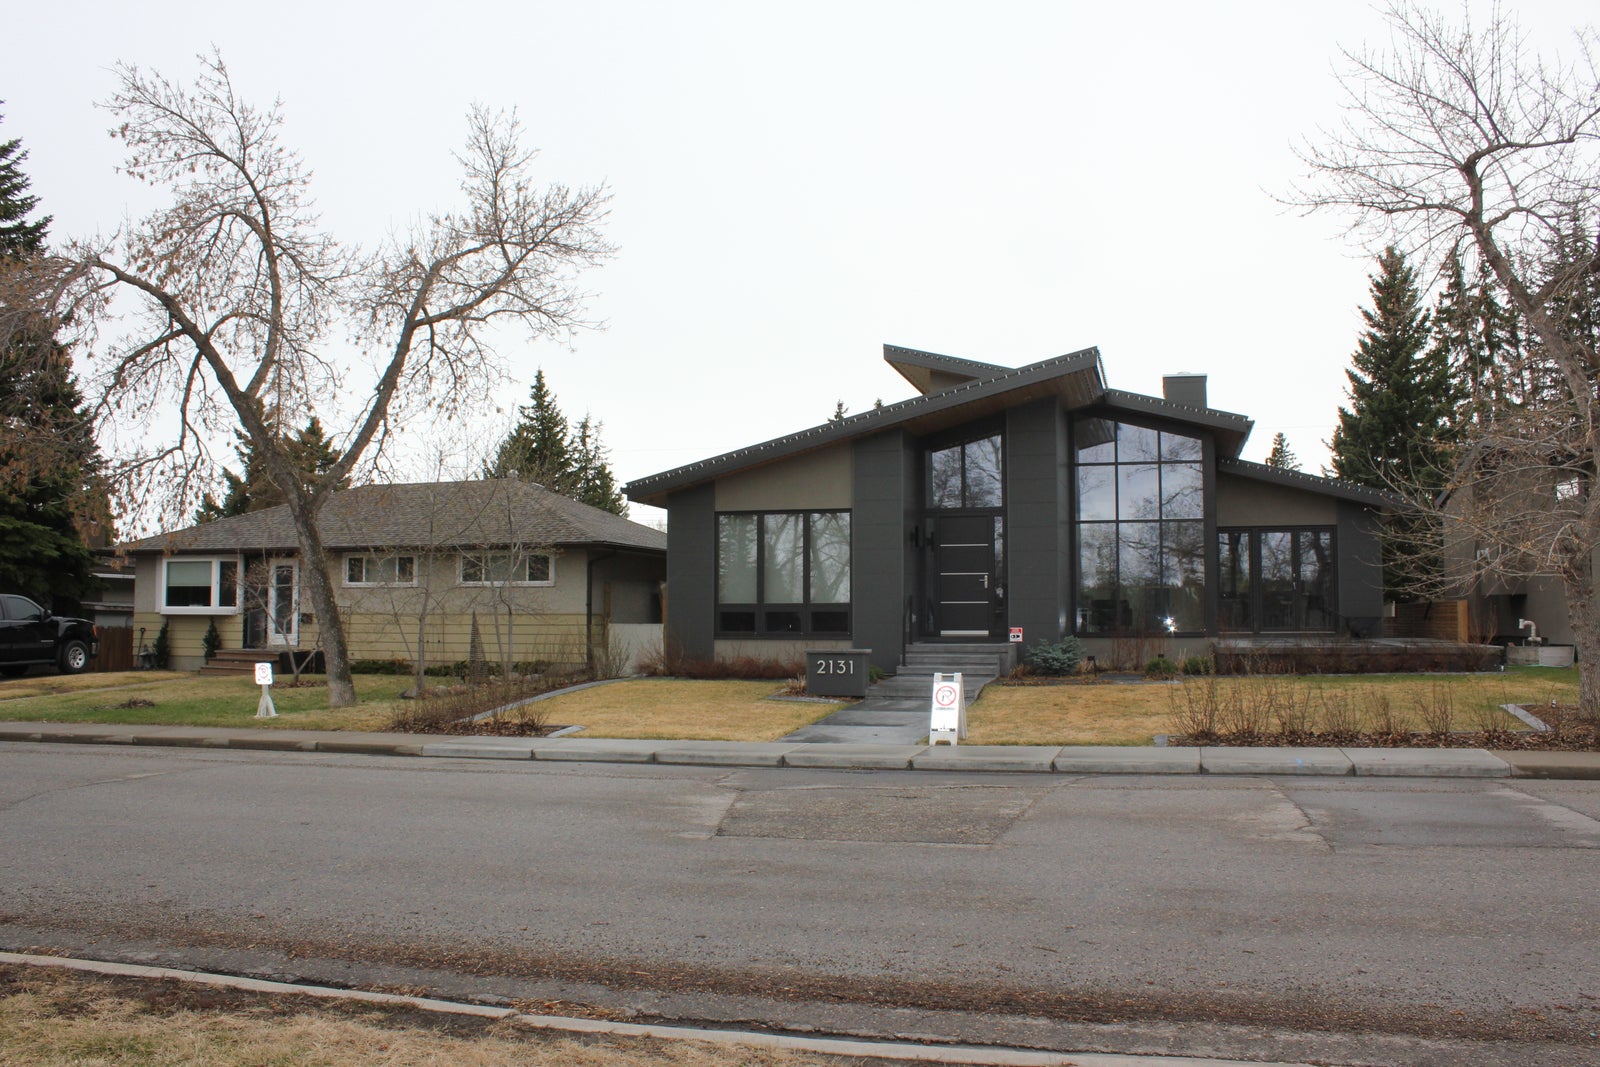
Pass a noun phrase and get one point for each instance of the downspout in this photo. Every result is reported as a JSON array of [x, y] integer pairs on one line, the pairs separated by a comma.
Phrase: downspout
[[588, 606]]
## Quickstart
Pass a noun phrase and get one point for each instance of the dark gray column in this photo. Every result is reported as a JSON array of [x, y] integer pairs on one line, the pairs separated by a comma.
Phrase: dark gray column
[[882, 509], [1038, 538], [1360, 553], [692, 571]]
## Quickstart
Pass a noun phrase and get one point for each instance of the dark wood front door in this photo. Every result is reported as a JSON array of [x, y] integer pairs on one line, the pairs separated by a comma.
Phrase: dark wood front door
[[966, 589]]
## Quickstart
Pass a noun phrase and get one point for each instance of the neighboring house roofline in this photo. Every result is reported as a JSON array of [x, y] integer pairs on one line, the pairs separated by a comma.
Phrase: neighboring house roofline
[[1261, 472], [417, 516]]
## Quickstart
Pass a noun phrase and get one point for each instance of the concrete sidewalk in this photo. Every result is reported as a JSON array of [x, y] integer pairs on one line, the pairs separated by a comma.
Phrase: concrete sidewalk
[[1041, 759]]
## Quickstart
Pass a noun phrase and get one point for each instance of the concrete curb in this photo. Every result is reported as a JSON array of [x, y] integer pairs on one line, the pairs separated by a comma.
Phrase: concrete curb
[[1088, 759], [974, 1055]]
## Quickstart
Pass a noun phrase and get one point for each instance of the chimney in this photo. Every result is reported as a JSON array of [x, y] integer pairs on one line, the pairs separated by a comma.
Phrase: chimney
[[1185, 388]]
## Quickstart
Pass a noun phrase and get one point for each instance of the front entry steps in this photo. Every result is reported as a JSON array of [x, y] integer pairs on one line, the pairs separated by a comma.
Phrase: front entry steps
[[233, 662], [895, 711]]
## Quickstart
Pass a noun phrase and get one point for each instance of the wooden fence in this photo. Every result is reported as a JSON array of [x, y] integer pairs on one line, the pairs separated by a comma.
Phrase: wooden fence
[[1443, 620], [116, 649]]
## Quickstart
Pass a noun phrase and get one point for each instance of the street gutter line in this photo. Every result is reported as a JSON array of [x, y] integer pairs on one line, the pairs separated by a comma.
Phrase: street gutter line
[[976, 1056]]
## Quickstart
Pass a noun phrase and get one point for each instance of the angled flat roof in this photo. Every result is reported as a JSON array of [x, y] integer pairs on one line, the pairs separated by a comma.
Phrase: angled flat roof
[[1260, 472], [1075, 378], [956, 391], [929, 372]]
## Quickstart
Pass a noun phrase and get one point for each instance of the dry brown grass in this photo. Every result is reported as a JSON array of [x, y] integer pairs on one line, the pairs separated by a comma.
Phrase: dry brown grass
[[55, 1019], [1068, 715], [43, 685], [660, 709], [1116, 714]]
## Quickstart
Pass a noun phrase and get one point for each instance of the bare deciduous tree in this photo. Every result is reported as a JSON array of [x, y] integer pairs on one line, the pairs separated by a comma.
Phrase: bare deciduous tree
[[246, 304], [1460, 136]]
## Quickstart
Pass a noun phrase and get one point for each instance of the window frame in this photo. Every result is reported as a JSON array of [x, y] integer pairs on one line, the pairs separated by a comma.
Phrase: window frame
[[217, 587], [1113, 470], [762, 612], [378, 558], [1255, 575], [526, 559]]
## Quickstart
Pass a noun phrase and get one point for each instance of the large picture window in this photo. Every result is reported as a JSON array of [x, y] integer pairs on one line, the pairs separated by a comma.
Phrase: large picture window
[[1277, 580], [1141, 530], [783, 573], [199, 586]]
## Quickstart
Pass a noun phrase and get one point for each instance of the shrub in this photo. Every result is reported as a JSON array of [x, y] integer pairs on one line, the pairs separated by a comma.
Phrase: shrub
[[161, 651], [211, 641], [1160, 667], [380, 666], [671, 663], [1060, 658], [1196, 665]]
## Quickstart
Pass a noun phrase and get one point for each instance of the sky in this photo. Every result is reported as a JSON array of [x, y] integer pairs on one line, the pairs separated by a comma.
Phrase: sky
[[793, 186]]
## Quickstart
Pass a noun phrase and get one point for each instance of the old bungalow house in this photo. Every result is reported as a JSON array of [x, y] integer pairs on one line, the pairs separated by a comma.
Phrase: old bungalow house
[[550, 579], [1004, 504]]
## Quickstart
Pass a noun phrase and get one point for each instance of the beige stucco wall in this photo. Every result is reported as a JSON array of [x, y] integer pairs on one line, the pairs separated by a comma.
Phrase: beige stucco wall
[[817, 480], [535, 622], [1247, 502]]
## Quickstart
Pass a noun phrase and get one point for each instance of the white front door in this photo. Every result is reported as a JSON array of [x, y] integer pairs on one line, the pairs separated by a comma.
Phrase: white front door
[[283, 604]]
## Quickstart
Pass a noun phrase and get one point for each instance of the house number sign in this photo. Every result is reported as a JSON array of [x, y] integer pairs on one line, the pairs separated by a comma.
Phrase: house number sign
[[837, 672]]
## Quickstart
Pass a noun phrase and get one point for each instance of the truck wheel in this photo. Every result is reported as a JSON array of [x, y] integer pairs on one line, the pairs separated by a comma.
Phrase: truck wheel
[[74, 657]]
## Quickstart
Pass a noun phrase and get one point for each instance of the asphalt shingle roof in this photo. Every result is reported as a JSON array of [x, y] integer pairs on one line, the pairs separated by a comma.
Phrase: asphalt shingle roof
[[499, 511]]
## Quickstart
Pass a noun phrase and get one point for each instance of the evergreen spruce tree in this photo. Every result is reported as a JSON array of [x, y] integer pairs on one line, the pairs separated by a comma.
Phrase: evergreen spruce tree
[[310, 453], [1403, 401], [18, 236], [1282, 456], [51, 493], [542, 448]]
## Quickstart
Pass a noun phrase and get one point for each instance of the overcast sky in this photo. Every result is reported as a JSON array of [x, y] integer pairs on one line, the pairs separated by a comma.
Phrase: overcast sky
[[797, 184]]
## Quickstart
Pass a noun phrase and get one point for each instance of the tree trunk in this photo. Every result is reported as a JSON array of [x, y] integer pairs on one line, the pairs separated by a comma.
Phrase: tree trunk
[[1584, 615], [314, 576]]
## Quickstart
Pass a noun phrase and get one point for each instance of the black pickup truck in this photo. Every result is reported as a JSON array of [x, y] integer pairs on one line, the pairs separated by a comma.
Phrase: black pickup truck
[[29, 635]]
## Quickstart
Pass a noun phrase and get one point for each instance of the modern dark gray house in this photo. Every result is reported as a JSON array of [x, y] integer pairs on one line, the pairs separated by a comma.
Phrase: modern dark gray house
[[1032, 501]]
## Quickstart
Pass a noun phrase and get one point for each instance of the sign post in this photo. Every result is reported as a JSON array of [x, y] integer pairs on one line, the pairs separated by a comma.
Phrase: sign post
[[948, 719], [265, 710]]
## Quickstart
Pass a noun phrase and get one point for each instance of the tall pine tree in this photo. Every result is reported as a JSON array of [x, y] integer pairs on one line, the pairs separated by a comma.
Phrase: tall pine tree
[[310, 453], [543, 448], [1395, 433], [50, 490]]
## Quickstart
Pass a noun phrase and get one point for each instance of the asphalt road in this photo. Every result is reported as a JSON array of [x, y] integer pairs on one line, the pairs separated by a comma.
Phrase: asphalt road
[[1337, 920]]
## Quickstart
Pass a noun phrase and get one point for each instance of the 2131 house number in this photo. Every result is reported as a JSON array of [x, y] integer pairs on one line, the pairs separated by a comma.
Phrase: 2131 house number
[[835, 666]]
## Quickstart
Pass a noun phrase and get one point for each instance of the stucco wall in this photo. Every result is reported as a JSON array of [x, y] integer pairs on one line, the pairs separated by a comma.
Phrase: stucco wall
[[815, 481], [1247, 502]]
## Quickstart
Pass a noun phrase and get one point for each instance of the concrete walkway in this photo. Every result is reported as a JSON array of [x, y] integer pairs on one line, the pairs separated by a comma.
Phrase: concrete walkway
[[1045, 759], [895, 709]]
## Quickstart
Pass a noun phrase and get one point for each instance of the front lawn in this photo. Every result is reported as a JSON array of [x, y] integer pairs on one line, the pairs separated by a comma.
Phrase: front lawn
[[183, 699], [1108, 713], [668, 709]]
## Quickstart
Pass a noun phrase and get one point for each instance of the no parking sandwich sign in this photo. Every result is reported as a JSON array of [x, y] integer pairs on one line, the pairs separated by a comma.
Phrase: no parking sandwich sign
[[947, 720]]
